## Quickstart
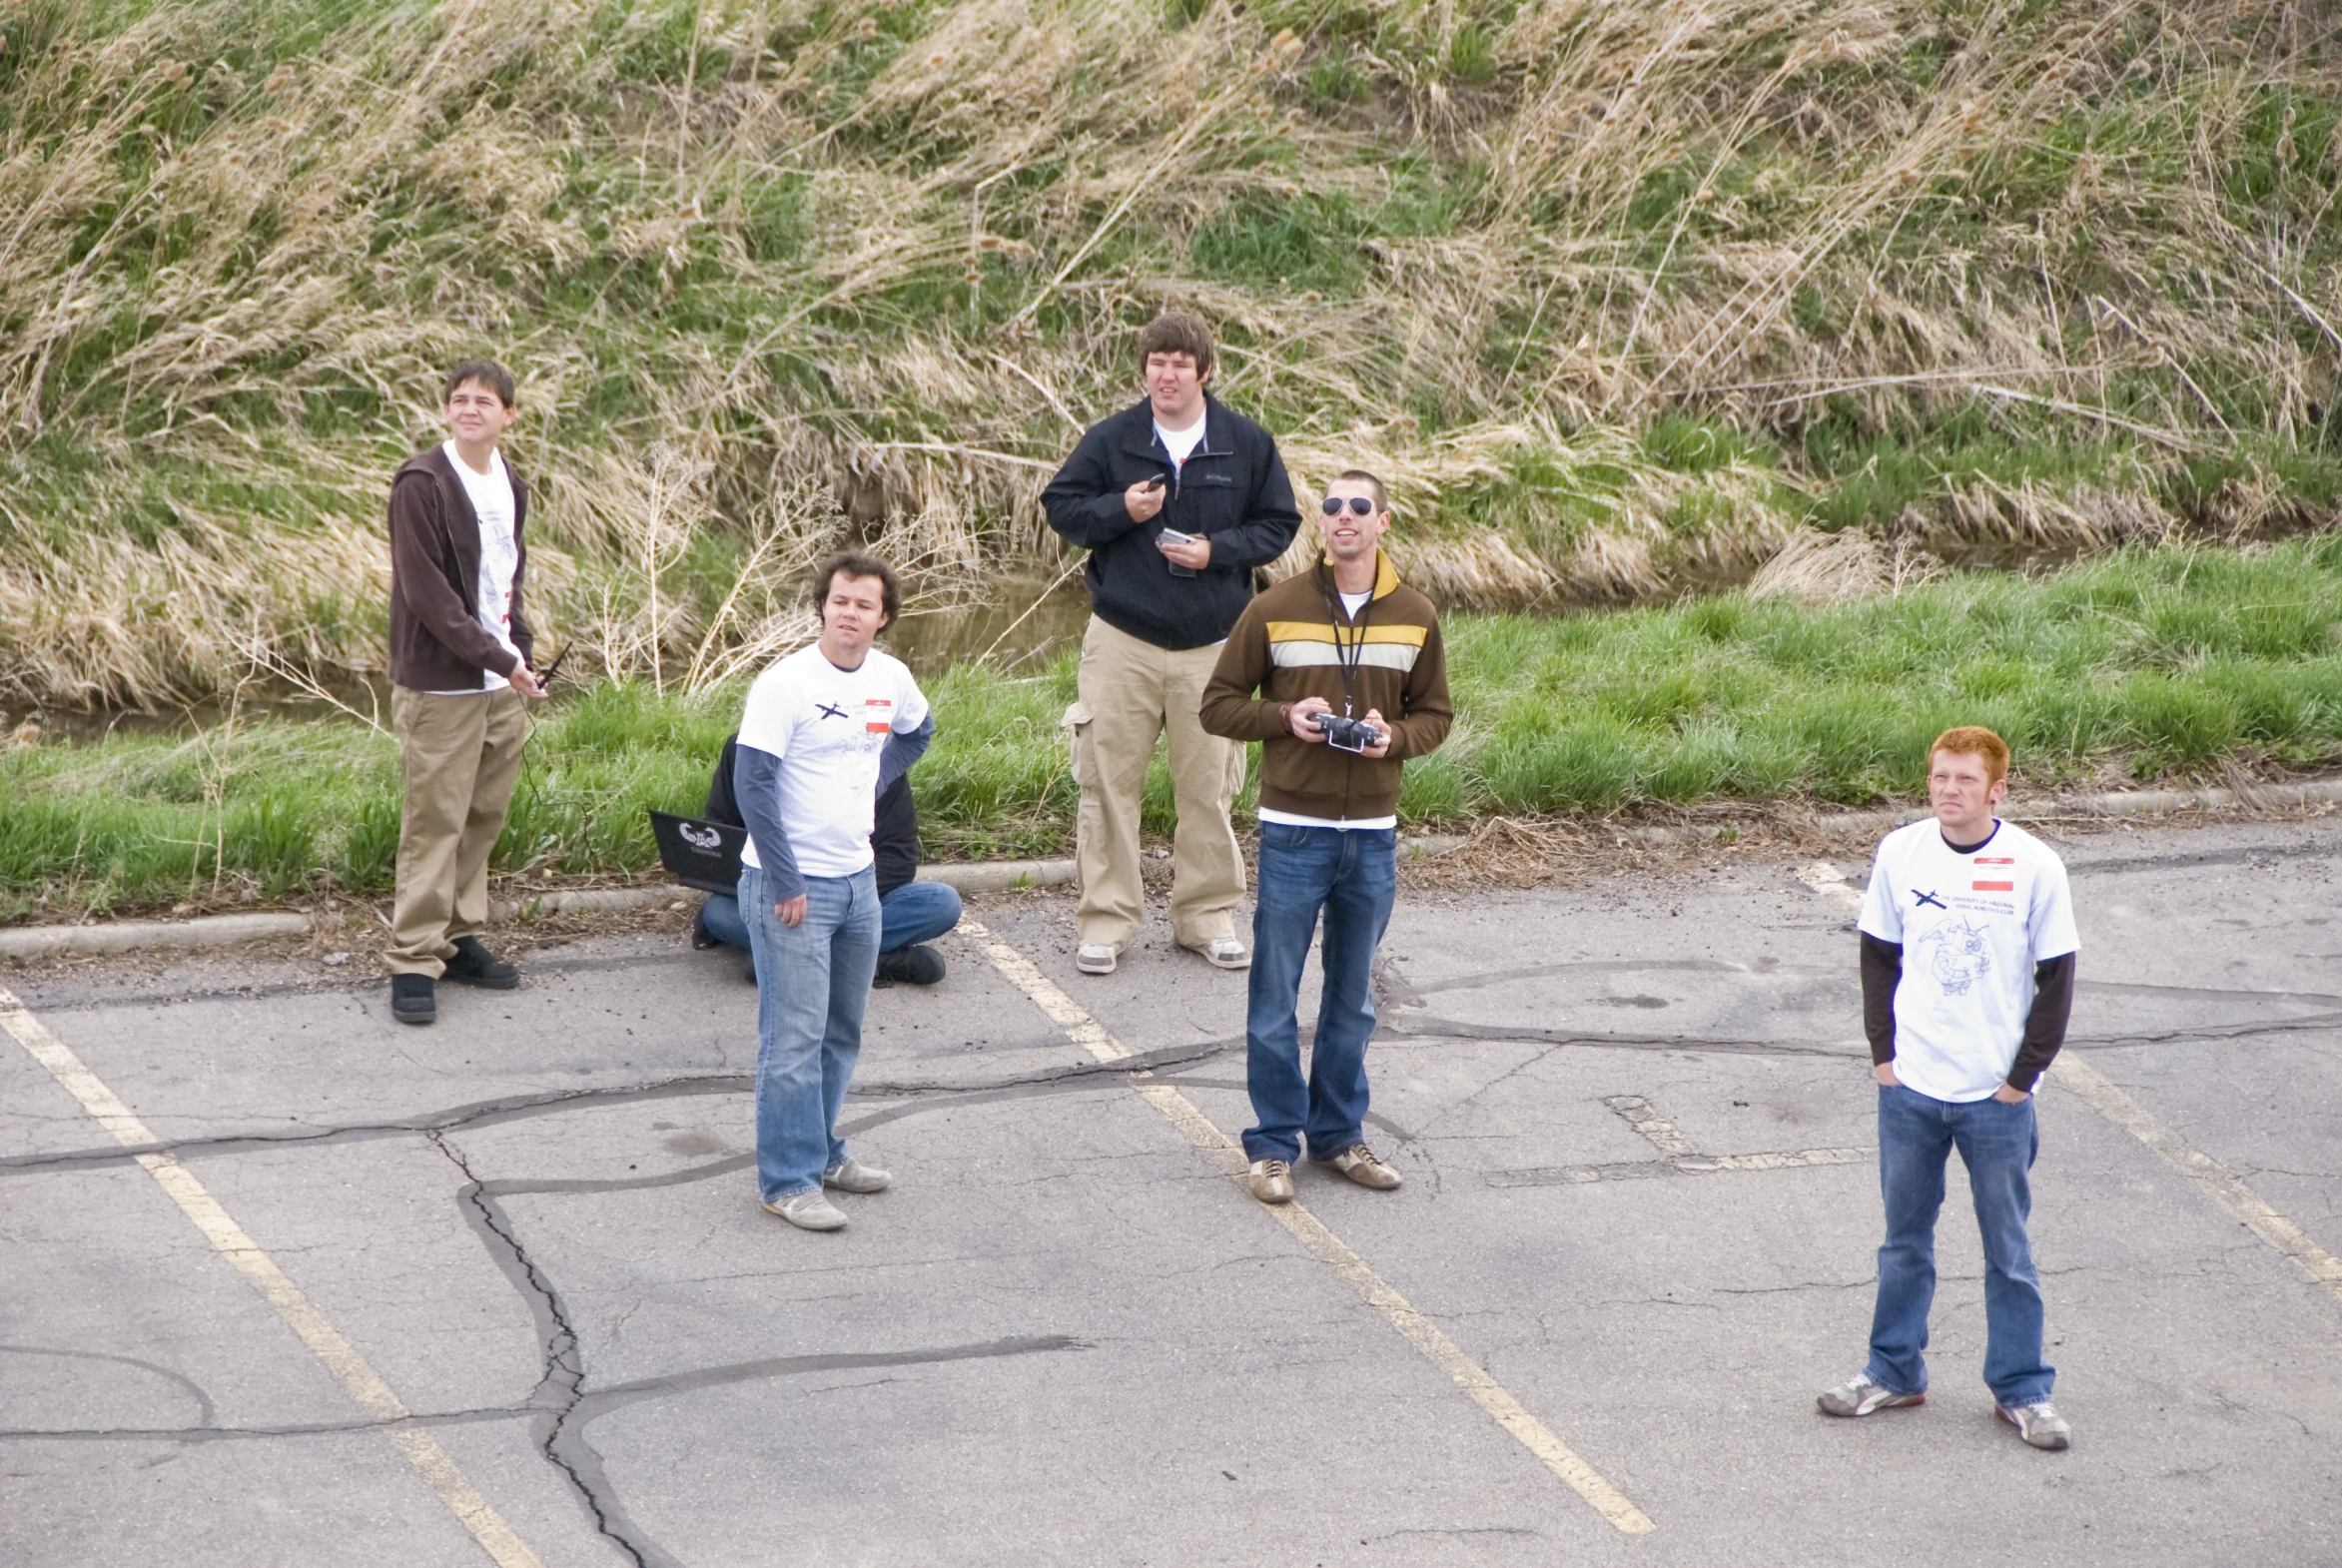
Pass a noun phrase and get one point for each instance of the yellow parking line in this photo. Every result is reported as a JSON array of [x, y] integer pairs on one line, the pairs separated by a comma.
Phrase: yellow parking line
[[2212, 1179], [1319, 1241], [301, 1314]]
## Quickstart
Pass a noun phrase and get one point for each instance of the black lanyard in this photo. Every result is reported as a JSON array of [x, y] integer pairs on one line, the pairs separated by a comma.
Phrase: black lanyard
[[1350, 656]]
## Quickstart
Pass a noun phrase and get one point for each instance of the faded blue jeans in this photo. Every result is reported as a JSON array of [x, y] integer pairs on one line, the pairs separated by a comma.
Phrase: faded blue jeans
[[812, 983], [1997, 1141], [1351, 875]]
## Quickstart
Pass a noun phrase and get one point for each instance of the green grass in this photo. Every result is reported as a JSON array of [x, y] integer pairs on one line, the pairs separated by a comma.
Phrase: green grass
[[2164, 663]]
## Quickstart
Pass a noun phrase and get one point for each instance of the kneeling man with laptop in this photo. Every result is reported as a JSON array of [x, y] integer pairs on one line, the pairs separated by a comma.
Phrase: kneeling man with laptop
[[911, 913]]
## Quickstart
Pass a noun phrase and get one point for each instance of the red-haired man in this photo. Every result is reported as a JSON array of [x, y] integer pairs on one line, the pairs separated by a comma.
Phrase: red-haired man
[[1967, 945]]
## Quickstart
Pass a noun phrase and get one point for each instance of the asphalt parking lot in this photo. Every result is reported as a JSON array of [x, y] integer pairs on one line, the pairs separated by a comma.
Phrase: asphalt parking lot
[[289, 1283]]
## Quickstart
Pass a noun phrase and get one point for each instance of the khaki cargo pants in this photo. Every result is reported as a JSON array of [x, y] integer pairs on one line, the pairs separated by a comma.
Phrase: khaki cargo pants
[[461, 756], [1129, 692]]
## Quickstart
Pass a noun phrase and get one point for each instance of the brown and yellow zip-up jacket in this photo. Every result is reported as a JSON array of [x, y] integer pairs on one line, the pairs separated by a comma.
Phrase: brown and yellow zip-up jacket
[[1288, 645]]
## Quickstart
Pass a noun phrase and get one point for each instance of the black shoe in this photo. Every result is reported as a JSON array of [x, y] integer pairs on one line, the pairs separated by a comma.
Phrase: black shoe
[[748, 972], [702, 939], [474, 965], [916, 965], [411, 1001]]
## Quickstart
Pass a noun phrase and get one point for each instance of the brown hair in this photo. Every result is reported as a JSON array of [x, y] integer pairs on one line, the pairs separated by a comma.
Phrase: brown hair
[[1973, 740], [489, 373], [1177, 331], [853, 564], [1381, 495]]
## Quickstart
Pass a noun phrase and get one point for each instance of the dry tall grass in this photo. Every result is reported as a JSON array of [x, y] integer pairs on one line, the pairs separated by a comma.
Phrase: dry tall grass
[[1618, 295]]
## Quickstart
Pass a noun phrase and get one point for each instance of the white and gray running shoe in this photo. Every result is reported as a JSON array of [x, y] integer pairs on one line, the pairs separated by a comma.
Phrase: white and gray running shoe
[[2038, 1424], [1223, 951], [1095, 958], [852, 1175], [809, 1212], [1857, 1395]]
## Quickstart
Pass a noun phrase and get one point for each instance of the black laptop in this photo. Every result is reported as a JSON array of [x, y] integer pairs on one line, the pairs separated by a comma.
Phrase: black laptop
[[703, 855]]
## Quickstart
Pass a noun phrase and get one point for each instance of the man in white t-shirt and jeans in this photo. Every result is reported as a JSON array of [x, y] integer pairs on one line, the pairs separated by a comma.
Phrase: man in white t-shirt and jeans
[[1968, 958], [825, 732], [460, 668]]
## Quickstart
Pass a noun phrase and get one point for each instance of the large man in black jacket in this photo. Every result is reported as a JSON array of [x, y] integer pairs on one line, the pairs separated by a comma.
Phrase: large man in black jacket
[[1178, 502], [911, 913]]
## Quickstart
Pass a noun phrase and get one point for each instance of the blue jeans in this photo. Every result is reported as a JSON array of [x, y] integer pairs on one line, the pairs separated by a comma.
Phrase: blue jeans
[[1352, 876], [1997, 1141], [914, 911], [812, 983]]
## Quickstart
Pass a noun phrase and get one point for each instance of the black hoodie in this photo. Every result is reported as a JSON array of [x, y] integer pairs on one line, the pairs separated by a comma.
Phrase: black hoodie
[[1232, 490]]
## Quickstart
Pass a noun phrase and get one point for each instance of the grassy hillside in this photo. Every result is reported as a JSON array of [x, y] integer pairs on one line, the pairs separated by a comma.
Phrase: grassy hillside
[[1618, 293], [2147, 662]]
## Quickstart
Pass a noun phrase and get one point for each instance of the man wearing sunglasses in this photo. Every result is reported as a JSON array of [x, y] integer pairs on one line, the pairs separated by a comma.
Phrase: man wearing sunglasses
[[1177, 500], [1351, 680]]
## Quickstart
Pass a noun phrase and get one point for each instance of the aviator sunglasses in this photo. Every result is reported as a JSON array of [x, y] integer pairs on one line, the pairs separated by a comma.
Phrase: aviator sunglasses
[[1332, 505]]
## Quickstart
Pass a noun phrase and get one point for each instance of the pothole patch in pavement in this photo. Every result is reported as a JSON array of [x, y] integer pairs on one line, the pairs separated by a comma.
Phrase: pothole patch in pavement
[[1677, 1155]]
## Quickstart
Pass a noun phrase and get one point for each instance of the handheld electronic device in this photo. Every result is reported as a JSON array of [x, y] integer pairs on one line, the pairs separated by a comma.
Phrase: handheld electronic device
[[1175, 537], [1345, 734]]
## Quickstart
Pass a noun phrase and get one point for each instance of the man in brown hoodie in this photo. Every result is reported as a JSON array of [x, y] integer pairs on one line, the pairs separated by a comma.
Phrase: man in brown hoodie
[[459, 670], [1332, 651]]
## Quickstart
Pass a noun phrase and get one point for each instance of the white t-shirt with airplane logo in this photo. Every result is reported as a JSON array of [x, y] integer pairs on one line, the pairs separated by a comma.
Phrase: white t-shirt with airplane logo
[[1973, 927], [828, 726]]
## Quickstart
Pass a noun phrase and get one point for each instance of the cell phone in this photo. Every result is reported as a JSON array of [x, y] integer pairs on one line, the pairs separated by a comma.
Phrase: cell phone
[[1174, 537], [1154, 484]]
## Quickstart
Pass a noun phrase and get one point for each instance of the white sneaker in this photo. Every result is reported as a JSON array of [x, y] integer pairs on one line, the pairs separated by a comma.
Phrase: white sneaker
[[1223, 951], [1857, 1395], [852, 1175], [1095, 958], [2038, 1424], [809, 1212]]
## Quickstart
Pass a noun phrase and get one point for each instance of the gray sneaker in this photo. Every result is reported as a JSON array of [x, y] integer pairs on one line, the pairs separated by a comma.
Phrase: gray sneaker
[[1095, 958], [1857, 1395], [852, 1175], [2038, 1424], [809, 1212]]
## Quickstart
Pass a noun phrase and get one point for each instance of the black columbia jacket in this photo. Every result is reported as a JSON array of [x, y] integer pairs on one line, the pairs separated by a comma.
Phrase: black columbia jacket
[[1232, 490]]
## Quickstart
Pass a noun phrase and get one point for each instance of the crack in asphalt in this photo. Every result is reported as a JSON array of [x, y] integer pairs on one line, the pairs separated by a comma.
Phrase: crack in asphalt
[[563, 1377], [206, 1412], [591, 1404], [514, 1107], [1415, 1026], [560, 1425], [475, 1114], [1426, 1027]]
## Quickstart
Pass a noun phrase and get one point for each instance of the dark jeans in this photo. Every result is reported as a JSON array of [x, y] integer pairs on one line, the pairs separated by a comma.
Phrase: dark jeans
[[914, 911], [1997, 1141], [1352, 876]]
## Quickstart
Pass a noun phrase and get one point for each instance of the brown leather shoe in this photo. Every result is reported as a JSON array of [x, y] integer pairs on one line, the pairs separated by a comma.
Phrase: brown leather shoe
[[1358, 1163], [1271, 1180]]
